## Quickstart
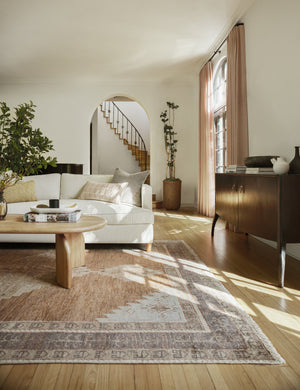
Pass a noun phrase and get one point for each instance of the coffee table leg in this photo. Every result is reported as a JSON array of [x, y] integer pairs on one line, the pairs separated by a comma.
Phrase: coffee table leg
[[69, 254]]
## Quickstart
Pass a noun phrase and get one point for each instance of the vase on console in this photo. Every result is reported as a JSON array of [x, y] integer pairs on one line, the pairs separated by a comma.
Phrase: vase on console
[[7, 179], [3, 206], [295, 163]]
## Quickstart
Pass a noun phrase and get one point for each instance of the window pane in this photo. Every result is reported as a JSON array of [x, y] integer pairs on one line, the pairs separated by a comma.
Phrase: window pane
[[220, 140], [220, 120], [220, 158]]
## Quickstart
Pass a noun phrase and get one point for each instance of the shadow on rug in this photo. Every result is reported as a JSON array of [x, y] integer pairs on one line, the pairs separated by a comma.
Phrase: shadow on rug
[[126, 306]]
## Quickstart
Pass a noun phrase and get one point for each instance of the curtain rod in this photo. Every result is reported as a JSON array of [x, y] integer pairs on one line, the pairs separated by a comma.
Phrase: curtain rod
[[218, 49]]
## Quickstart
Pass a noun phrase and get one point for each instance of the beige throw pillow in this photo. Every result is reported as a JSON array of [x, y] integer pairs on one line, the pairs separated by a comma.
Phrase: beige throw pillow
[[20, 192], [107, 192]]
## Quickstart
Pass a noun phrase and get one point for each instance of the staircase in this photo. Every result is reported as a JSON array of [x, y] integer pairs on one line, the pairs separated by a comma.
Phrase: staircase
[[127, 133]]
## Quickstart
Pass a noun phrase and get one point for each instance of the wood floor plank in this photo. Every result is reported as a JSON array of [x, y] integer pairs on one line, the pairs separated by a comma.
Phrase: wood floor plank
[[198, 377], [64, 377], [77, 376], [153, 377], [45, 376], [121, 376], [236, 377], [166, 377], [5, 369], [147, 377], [291, 377], [179, 377], [263, 377], [90, 376], [19, 377], [103, 377], [141, 377], [217, 377]]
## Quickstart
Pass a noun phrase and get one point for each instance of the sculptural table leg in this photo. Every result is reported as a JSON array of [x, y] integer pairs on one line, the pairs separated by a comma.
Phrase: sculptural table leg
[[69, 254], [216, 217]]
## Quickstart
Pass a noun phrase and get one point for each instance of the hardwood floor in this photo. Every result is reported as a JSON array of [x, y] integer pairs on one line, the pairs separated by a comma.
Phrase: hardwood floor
[[248, 269]]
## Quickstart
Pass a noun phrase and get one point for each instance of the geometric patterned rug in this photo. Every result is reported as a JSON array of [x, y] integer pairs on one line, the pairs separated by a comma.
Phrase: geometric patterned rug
[[125, 306]]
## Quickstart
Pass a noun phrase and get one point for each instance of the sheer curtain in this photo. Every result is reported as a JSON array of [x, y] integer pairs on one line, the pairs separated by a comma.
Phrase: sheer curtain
[[206, 181], [237, 113]]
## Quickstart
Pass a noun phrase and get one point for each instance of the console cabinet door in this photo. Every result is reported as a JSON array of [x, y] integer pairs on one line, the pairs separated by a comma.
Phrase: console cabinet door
[[290, 208], [258, 205], [227, 197]]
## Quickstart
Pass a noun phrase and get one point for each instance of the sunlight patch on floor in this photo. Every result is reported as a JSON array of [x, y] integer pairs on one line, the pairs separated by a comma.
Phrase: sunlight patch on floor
[[231, 276], [173, 291], [293, 333], [262, 289], [174, 231], [154, 256], [246, 307], [292, 291], [279, 317]]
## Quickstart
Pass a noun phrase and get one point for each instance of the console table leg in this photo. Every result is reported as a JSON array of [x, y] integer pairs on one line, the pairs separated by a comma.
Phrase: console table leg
[[214, 224], [281, 268]]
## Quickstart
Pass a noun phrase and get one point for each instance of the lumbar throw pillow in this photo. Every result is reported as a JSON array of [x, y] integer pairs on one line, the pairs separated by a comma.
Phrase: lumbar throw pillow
[[20, 192], [132, 194], [107, 192]]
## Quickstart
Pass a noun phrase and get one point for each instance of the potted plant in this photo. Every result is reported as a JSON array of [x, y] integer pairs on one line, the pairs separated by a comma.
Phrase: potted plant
[[22, 148], [171, 185]]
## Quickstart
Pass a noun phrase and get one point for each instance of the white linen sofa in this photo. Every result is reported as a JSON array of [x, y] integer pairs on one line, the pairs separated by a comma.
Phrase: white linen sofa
[[125, 223]]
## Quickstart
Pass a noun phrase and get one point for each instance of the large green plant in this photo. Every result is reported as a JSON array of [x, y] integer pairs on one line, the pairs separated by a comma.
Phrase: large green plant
[[22, 148], [168, 118]]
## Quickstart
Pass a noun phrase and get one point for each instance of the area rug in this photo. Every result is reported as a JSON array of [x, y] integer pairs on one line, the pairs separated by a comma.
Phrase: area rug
[[125, 306]]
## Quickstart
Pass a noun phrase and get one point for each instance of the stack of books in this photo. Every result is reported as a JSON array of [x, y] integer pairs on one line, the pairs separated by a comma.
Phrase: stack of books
[[236, 169], [262, 170], [73, 216]]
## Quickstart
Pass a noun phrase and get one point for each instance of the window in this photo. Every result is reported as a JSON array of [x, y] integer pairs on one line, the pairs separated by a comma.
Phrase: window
[[220, 123]]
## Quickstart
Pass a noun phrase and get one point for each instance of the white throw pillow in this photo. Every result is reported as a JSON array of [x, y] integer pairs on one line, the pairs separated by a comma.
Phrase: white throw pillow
[[107, 192], [132, 194]]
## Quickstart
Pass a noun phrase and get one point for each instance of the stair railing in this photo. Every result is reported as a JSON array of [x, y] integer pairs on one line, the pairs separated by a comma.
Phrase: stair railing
[[125, 129]]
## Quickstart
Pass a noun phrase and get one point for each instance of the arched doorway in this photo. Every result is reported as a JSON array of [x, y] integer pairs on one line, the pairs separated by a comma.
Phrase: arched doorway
[[119, 137]]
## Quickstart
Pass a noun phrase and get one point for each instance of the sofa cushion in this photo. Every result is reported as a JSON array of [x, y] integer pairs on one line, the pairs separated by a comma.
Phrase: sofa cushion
[[107, 192], [132, 194], [115, 214], [46, 186], [72, 184], [20, 192]]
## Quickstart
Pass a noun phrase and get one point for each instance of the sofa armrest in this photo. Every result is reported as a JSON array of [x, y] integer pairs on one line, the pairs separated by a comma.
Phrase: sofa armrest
[[146, 196]]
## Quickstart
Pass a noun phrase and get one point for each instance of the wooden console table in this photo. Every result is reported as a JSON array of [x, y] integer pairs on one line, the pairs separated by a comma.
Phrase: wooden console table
[[70, 244], [266, 206]]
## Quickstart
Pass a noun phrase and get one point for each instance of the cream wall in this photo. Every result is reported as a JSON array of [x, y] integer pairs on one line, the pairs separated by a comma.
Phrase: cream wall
[[64, 112], [273, 78]]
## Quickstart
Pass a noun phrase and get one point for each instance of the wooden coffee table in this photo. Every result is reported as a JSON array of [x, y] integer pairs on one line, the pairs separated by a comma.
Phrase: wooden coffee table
[[70, 245]]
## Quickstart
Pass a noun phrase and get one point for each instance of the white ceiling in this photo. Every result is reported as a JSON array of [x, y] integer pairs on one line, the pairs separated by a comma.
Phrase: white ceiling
[[51, 40]]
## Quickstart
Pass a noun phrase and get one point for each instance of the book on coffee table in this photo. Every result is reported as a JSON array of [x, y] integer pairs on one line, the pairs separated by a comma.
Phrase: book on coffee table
[[74, 216]]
